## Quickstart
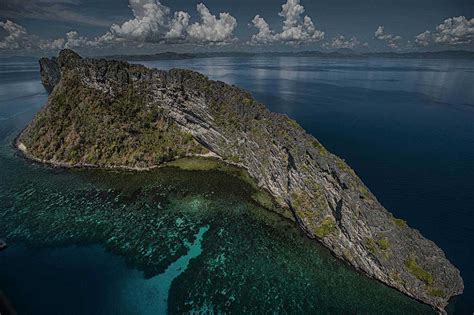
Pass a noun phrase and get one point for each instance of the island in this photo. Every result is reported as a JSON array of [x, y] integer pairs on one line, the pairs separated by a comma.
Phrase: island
[[343, 53], [112, 114]]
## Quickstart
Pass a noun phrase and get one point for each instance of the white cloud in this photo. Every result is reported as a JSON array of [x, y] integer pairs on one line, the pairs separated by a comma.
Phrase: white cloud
[[150, 22], [453, 31], [16, 38], [178, 26], [212, 29], [392, 41], [55, 44], [296, 29], [423, 39], [73, 40], [265, 35], [340, 41], [153, 22]]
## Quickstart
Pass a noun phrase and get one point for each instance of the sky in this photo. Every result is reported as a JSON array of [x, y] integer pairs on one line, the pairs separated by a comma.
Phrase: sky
[[101, 27]]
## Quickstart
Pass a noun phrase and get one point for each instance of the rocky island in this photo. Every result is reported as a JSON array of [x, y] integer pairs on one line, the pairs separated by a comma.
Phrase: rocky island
[[111, 114]]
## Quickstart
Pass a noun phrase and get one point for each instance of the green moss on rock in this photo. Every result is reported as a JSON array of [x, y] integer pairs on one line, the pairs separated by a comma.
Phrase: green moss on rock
[[326, 227], [383, 244], [376, 245], [412, 266], [398, 222], [435, 292]]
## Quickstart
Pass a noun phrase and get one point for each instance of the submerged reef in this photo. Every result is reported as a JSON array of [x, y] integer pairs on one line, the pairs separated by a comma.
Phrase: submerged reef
[[252, 259], [112, 114]]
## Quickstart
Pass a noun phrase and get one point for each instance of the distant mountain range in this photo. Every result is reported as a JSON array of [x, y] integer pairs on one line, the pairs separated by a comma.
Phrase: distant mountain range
[[17, 59], [339, 54], [346, 53]]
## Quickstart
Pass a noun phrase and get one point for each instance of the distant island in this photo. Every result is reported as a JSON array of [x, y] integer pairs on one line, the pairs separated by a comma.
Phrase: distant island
[[343, 53], [112, 114], [338, 54]]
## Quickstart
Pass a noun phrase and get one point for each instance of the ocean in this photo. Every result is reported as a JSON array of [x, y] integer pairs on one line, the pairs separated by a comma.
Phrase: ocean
[[108, 242]]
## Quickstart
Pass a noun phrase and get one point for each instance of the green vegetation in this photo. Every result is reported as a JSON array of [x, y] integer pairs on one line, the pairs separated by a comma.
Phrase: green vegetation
[[300, 201], [198, 164], [303, 206], [260, 196], [318, 146], [416, 270], [327, 226], [247, 101], [341, 164], [264, 199], [374, 245], [398, 222], [395, 275], [435, 292], [310, 206], [371, 245], [81, 125], [293, 123], [425, 276], [383, 244], [234, 159], [363, 191]]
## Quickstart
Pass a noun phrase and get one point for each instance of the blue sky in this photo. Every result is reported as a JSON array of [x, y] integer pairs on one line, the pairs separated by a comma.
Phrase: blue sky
[[126, 26]]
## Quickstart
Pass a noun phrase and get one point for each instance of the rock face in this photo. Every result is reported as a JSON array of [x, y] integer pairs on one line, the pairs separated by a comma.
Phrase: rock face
[[113, 114], [50, 73]]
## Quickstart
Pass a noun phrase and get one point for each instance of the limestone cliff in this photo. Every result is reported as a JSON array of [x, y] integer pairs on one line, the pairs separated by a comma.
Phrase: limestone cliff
[[114, 114]]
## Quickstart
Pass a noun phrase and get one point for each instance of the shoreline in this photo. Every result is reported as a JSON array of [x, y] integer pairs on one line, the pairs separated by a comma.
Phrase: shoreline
[[23, 152]]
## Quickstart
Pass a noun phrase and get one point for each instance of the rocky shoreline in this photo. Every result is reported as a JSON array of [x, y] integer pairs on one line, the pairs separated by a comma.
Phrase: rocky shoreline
[[111, 114]]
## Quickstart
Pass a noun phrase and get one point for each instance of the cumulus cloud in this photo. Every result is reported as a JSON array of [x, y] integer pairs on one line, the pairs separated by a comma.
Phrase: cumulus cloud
[[453, 31], [153, 22], [150, 22], [265, 35], [211, 28], [423, 39], [392, 41], [16, 38], [340, 42], [296, 29], [179, 26], [74, 40]]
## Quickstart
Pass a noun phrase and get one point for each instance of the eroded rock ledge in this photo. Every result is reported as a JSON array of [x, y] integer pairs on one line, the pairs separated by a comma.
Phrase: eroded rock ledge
[[114, 114]]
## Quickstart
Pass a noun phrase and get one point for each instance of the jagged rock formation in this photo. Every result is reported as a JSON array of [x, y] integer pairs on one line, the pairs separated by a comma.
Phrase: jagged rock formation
[[113, 114]]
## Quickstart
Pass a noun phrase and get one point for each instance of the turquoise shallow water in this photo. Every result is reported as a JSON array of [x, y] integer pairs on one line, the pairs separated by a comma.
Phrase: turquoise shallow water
[[190, 241], [87, 280], [90, 241]]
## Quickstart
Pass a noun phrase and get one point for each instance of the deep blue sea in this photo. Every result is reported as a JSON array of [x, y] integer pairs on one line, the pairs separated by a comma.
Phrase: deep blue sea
[[95, 242]]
